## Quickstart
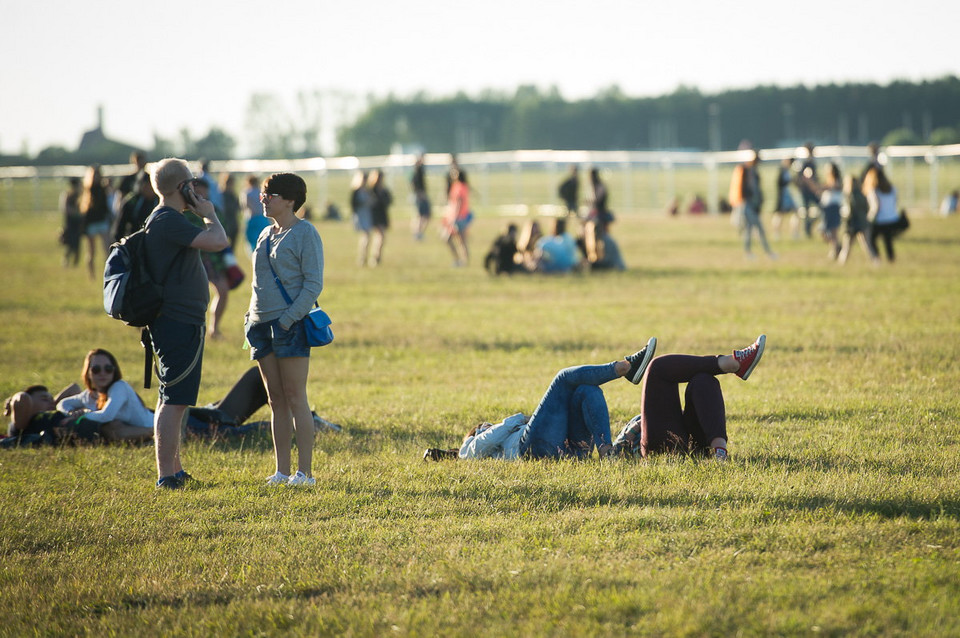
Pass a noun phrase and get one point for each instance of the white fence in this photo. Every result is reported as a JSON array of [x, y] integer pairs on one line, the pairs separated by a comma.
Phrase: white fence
[[637, 179]]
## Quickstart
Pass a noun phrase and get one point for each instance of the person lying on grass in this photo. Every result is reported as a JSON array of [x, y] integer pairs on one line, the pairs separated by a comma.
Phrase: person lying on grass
[[109, 406], [572, 417]]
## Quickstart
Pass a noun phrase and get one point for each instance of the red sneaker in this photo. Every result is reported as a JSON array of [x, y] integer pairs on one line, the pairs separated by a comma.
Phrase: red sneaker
[[749, 357]]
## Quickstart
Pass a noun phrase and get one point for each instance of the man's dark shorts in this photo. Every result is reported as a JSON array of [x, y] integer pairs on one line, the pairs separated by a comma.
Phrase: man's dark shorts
[[178, 353]]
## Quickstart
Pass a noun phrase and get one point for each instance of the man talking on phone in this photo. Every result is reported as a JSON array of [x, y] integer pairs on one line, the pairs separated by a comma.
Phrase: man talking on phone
[[173, 248]]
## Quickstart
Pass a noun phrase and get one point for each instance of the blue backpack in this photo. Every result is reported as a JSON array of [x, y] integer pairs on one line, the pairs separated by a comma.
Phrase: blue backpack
[[130, 294]]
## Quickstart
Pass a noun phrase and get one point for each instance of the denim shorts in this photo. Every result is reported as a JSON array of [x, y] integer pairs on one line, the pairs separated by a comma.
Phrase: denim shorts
[[268, 337], [178, 351]]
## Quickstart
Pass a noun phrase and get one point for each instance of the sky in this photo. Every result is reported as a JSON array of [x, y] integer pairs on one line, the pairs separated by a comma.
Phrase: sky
[[178, 64]]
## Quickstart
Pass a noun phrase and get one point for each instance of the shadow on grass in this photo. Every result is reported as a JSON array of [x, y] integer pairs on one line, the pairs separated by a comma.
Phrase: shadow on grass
[[557, 498]]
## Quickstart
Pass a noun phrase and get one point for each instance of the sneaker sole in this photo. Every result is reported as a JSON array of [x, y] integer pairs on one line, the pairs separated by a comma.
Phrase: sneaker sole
[[761, 344], [647, 358]]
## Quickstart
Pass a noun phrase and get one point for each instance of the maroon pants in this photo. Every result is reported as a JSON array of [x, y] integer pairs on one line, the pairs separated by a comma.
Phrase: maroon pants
[[668, 426]]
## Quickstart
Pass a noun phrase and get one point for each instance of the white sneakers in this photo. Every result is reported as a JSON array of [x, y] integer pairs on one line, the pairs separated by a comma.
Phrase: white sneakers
[[291, 481], [301, 479]]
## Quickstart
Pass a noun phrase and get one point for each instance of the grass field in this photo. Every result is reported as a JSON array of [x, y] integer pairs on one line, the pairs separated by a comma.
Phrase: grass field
[[838, 515]]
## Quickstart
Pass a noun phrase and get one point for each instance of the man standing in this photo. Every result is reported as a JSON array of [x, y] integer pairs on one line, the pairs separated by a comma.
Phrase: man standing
[[569, 191], [173, 248], [811, 203]]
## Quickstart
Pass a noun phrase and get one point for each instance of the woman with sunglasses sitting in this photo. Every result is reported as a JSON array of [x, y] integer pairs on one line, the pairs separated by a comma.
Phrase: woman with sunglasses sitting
[[110, 400]]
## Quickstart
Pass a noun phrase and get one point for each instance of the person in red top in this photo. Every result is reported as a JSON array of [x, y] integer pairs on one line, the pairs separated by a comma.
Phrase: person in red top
[[457, 218]]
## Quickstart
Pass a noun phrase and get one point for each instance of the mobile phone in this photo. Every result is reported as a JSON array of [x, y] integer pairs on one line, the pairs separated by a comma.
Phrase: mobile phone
[[186, 189]]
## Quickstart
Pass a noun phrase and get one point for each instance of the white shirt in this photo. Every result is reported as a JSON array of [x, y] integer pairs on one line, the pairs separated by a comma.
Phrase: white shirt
[[499, 441], [123, 404]]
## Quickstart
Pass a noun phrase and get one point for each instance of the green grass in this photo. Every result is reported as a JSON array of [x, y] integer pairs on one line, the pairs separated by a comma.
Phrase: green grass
[[839, 514]]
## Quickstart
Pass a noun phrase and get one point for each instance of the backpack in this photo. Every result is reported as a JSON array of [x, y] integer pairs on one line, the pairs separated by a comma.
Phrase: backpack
[[130, 294]]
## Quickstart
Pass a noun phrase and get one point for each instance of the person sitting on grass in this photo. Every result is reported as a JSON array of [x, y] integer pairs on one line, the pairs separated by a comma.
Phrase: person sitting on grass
[[572, 416]]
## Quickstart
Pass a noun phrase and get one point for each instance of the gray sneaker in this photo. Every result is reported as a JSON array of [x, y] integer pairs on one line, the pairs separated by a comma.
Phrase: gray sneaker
[[640, 360]]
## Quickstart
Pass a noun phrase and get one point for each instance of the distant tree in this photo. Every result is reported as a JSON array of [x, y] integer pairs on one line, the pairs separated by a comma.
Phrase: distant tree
[[944, 135], [901, 137], [162, 147], [53, 155], [217, 144], [269, 126]]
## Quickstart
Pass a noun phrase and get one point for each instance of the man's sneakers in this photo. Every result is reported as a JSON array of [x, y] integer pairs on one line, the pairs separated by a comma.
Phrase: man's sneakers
[[719, 454], [301, 480], [170, 483], [174, 481], [640, 360], [749, 357]]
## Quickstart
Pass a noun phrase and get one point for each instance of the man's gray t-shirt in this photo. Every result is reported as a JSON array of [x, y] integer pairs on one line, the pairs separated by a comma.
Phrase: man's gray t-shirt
[[186, 289]]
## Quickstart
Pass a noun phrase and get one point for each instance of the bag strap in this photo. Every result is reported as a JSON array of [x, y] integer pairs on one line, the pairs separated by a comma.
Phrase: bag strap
[[283, 291]]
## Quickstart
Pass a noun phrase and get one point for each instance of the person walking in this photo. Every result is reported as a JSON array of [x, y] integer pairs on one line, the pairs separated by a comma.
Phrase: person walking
[[746, 194]]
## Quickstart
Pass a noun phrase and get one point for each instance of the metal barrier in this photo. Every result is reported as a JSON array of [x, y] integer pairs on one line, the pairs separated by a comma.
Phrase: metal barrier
[[622, 171]]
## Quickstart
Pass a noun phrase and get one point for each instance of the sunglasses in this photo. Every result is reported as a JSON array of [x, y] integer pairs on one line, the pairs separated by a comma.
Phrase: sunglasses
[[266, 197], [97, 369]]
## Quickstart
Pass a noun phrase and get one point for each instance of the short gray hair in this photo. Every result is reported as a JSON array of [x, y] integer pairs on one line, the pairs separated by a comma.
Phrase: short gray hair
[[168, 174]]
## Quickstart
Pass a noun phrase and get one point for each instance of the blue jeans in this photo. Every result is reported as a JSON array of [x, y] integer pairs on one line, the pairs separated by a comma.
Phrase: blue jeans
[[572, 416], [751, 220]]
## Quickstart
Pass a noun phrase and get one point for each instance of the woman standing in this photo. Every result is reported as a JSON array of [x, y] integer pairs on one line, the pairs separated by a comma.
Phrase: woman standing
[[457, 219], [96, 214], [883, 215], [360, 204], [380, 200], [287, 278]]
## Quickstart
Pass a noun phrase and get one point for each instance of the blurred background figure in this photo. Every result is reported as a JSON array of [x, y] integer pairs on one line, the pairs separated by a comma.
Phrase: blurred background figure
[[72, 229], [885, 220], [949, 204], [129, 183], [807, 176], [785, 206], [380, 200], [457, 219], [215, 195], [600, 212], [557, 253], [857, 226], [253, 212], [527, 244], [421, 200], [361, 204], [503, 257], [747, 197], [95, 209], [230, 213], [135, 209], [569, 191]]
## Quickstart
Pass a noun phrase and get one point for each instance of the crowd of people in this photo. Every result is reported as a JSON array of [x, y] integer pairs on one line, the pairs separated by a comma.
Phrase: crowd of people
[[193, 223], [844, 210], [189, 231]]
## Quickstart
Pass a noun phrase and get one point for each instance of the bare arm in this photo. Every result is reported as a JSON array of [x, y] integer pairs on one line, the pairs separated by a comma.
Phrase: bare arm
[[212, 238]]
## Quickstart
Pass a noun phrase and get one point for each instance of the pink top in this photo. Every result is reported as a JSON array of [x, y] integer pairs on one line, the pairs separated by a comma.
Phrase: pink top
[[458, 205]]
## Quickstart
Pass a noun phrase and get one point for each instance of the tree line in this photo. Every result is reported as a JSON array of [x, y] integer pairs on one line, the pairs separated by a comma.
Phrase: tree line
[[898, 113]]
